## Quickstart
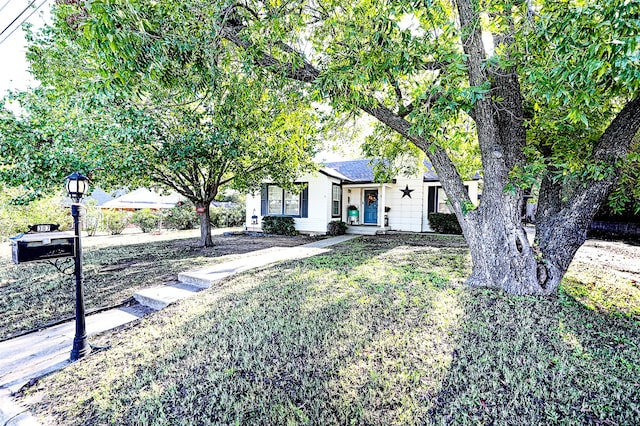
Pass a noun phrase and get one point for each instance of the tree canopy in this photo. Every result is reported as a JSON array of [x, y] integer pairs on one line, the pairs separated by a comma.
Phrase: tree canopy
[[234, 131]]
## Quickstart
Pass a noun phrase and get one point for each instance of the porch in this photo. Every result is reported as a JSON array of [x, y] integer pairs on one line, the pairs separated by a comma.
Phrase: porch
[[366, 229]]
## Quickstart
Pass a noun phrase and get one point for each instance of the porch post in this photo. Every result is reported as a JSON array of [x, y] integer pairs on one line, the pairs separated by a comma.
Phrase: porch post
[[381, 204]]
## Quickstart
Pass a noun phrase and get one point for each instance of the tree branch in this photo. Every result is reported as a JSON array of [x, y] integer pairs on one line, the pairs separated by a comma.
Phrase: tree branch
[[496, 172], [426, 103], [612, 147], [305, 72]]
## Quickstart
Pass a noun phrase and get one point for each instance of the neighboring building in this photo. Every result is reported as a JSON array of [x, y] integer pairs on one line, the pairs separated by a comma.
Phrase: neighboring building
[[142, 198], [401, 205], [99, 196]]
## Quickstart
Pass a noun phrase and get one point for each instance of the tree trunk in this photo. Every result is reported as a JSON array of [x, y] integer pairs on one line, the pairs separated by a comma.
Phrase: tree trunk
[[205, 225]]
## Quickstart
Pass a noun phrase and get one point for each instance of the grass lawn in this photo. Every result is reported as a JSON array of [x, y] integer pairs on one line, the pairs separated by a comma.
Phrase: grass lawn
[[115, 267], [378, 331]]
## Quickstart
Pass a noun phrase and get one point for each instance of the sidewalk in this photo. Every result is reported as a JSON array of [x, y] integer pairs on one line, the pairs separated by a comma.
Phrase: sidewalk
[[37, 354]]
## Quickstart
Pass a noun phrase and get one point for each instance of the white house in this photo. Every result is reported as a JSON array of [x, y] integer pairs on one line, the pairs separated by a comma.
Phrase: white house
[[400, 205]]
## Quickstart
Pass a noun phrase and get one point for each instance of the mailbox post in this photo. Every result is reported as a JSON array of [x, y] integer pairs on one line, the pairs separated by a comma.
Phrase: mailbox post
[[77, 187]]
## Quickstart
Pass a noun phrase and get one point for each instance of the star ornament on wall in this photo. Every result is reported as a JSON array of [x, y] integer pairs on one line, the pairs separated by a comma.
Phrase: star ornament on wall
[[406, 192]]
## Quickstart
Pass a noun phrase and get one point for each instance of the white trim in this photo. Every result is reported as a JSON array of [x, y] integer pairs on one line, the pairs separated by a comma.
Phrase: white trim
[[367, 185]]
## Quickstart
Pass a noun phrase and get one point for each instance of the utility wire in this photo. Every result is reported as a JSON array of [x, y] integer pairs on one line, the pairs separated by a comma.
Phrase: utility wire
[[5, 5], [23, 21], [18, 17]]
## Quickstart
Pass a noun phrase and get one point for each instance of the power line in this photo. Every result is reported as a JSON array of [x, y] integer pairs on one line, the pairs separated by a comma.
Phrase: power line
[[5, 5], [23, 21], [18, 17]]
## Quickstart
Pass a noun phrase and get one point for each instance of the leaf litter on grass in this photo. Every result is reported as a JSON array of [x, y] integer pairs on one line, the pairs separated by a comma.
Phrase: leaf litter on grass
[[36, 294], [365, 334]]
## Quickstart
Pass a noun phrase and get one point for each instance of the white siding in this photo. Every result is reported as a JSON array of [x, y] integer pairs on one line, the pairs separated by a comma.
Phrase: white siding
[[319, 205], [406, 212], [352, 197]]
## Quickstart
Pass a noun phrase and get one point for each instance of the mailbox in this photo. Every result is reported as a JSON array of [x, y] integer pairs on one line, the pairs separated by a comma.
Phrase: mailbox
[[42, 246]]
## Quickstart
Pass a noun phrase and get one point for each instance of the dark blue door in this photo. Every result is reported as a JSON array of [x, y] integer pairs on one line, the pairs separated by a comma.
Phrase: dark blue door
[[371, 206]]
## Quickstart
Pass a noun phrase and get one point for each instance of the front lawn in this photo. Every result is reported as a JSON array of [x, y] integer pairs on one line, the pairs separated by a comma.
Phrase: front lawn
[[36, 294], [378, 331]]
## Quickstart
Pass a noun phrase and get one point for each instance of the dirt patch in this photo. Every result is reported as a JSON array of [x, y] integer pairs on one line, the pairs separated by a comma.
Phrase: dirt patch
[[615, 257], [224, 245]]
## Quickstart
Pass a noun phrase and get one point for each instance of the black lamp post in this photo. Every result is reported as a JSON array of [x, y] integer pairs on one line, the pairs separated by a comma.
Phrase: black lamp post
[[77, 187]]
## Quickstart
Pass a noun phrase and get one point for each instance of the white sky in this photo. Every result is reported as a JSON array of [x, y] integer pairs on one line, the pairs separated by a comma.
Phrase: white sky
[[13, 64]]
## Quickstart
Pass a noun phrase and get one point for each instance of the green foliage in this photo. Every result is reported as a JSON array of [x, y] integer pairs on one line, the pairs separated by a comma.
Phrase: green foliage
[[123, 118], [336, 227], [444, 223], [92, 217], [115, 221], [574, 95], [278, 225], [182, 217], [147, 219], [225, 217], [16, 219]]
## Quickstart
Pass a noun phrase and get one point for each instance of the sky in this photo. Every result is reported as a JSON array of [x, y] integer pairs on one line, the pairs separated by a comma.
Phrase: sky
[[13, 64]]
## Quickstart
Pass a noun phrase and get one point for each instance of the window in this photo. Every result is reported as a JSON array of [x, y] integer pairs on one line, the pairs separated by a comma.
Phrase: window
[[275, 200], [291, 203], [281, 202], [336, 200], [438, 200], [443, 202]]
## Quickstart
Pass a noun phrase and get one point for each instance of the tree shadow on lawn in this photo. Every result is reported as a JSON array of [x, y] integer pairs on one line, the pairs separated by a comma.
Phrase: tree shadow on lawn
[[371, 333], [36, 294], [332, 339], [527, 360]]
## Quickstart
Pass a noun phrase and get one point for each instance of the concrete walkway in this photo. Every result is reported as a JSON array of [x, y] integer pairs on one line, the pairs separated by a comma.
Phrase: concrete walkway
[[37, 354]]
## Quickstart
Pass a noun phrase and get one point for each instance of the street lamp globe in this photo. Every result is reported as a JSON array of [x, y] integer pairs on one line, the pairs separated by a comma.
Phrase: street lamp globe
[[77, 186]]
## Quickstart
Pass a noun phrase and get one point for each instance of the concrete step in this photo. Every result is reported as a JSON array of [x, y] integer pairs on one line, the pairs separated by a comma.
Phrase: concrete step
[[203, 279], [365, 230], [160, 297]]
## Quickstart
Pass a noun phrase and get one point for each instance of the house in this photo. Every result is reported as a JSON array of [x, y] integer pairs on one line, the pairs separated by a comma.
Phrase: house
[[142, 198], [329, 194], [99, 196]]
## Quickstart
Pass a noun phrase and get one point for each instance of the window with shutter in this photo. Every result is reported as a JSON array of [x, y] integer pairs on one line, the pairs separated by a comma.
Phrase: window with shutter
[[276, 201]]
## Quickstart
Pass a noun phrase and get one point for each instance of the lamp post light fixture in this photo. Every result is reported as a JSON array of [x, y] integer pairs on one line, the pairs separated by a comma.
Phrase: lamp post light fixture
[[77, 186]]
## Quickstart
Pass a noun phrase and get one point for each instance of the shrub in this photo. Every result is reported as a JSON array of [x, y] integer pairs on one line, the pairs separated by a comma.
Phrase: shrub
[[278, 225], [224, 217], [114, 221], [336, 227], [15, 219], [91, 217], [444, 223], [182, 217], [146, 219]]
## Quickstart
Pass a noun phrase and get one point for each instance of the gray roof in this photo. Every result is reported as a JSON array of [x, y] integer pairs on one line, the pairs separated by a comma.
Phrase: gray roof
[[100, 196], [361, 171], [333, 173], [355, 170]]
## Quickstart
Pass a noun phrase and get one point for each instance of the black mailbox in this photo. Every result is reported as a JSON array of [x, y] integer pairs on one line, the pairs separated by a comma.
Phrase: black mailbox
[[42, 246]]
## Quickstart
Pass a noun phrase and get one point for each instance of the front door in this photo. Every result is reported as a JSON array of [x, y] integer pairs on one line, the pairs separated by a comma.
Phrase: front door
[[371, 207]]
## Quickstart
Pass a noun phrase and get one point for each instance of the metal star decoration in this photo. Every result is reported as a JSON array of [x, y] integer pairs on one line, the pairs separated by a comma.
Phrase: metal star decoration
[[406, 191]]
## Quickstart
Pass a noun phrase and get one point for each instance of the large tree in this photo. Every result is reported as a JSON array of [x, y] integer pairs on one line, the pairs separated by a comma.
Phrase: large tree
[[548, 91], [188, 133]]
